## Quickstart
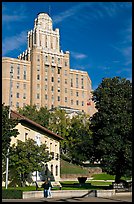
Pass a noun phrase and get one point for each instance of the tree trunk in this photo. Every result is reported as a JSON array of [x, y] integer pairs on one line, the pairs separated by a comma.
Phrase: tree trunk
[[117, 177]]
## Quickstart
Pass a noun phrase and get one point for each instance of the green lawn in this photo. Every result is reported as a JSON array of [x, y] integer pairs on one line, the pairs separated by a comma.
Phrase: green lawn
[[68, 168]]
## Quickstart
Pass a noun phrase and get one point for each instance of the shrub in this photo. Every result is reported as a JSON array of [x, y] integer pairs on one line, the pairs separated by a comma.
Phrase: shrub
[[11, 194]]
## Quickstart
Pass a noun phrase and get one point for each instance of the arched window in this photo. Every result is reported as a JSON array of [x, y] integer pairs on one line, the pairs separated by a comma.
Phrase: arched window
[[56, 170], [51, 169], [46, 169]]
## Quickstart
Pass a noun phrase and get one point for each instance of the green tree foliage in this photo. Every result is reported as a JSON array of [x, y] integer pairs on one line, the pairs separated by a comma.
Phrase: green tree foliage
[[80, 139], [8, 130], [40, 116], [59, 123], [112, 126], [26, 157]]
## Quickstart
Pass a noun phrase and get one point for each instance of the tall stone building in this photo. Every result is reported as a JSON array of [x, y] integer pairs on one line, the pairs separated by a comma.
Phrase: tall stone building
[[42, 76]]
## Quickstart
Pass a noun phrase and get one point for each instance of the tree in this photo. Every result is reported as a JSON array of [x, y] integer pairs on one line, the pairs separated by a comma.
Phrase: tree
[[80, 139], [112, 126], [25, 158], [59, 123], [8, 130], [40, 116]]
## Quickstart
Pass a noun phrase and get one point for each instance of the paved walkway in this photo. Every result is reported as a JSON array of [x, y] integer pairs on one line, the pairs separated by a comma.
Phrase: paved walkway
[[117, 198]]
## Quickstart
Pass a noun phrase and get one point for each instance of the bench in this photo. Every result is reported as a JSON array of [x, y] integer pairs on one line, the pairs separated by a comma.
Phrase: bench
[[56, 184]]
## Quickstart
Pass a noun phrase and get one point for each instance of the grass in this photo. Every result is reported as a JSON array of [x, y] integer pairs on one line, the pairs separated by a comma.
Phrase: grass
[[68, 168], [105, 176]]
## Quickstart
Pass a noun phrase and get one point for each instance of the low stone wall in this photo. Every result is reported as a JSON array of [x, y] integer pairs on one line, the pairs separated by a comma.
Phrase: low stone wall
[[71, 193], [105, 193], [59, 193]]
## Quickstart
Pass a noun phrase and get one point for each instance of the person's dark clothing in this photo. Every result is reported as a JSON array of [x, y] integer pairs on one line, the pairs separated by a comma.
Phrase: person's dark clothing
[[46, 187]]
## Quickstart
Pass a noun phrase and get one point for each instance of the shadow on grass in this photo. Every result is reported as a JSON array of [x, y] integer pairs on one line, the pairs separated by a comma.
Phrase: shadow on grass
[[89, 186]]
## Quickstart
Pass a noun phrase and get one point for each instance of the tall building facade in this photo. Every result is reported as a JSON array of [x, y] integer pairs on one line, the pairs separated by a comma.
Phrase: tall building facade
[[42, 76]]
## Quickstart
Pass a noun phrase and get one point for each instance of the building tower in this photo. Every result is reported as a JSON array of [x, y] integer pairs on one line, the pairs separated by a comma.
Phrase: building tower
[[49, 80]]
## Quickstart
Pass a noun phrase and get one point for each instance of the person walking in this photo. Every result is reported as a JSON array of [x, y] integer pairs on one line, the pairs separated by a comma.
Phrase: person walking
[[49, 188], [45, 185]]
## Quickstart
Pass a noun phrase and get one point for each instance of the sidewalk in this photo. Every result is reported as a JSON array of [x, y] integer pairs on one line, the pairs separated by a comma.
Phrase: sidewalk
[[120, 197]]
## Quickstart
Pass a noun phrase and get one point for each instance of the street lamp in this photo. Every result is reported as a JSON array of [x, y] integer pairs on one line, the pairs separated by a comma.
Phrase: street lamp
[[7, 157]]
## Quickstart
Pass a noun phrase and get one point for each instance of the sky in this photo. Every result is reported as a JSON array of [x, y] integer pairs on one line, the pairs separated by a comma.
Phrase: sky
[[98, 35]]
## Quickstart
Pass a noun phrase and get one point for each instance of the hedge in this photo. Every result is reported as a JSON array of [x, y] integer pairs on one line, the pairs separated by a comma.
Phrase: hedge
[[11, 194]]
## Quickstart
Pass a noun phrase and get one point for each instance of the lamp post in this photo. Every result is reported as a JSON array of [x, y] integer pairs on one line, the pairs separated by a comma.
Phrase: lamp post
[[7, 157]]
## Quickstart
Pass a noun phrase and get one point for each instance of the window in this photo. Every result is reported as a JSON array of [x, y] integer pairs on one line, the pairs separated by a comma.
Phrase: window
[[46, 169], [51, 169], [71, 92], [82, 94], [58, 89], [82, 82], [17, 85], [11, 69], [45, 87], [24, 86], [38, 95], [65, 72], [46, 58], [77, 93], [52, 69], [58, 80], [65, 90], [71, 102], [46, 68], [18, 71], [77, 102], [82, 103], [26, 136], [38, 58], [52, 59], [76, 80], [17, 95], [17, 104], [56, 170], [65, 81], [24, 96], [58, 70], [52, 98], [65, 63], [71, 82], [11, 84], [38, 86], [52, 79], [45, 78], [59, 60], [38, 106], [58, 98], [46, 96], [38, 77], [65, 99], [24, 72], [38, 67], [52, 88]]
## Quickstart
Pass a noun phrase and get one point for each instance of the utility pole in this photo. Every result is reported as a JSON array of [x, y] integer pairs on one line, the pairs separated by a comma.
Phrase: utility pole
[[7, 157]]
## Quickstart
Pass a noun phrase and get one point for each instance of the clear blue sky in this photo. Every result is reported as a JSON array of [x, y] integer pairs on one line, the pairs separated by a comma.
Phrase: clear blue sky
[[97, 34]]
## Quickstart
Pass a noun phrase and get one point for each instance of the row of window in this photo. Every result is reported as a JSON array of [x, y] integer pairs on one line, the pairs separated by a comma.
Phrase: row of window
[[52, 170], [18, 71], [52, 70], [53, 60]]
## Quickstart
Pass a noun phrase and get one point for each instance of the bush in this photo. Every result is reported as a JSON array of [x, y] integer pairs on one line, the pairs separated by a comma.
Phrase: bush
[[11, 194], [82, 179]]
